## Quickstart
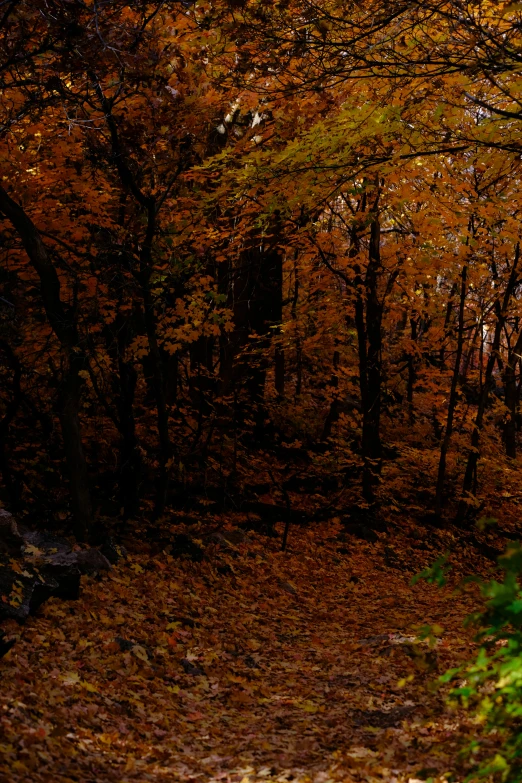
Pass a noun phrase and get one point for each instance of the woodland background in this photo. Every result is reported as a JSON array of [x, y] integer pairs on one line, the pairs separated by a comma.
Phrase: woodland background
[[257, 249], [260, 269]]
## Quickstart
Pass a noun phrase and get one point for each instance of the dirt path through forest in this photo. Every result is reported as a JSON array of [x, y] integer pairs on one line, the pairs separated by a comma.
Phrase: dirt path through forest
[[254, 664]]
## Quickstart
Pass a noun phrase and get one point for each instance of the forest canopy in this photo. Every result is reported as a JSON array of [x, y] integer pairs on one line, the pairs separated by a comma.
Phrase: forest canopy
[[259, 268], [235, 232]]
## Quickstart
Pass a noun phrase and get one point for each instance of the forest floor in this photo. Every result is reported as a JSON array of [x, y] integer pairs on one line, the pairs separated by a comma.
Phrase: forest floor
[[252, 665]]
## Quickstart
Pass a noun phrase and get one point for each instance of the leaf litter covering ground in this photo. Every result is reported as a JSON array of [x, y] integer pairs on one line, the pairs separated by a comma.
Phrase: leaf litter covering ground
[[253, 665]]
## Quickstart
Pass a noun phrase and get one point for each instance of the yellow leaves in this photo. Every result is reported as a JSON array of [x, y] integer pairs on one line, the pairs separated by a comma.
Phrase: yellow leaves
[[405, 680], [16, 595], [510, 7], [89, 687], [130, 764], [308, 706], [140, 652], [71, 678]]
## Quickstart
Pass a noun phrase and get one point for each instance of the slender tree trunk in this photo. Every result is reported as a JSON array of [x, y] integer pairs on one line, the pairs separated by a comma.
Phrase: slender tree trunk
[[162, 417], [202, 385], [63, 323], [255, 295], [412, 373], [468, 361], [279, 368], [447, 321], [371, 437], [439, 491], [470, 474], [335, 406], [368, 317], [130, 457], [511, 399], [10, 480], [69, 402], [298, 347]]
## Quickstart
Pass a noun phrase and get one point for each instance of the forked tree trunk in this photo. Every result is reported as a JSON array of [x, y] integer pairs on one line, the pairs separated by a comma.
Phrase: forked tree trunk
[[474, 453], [63, 324]]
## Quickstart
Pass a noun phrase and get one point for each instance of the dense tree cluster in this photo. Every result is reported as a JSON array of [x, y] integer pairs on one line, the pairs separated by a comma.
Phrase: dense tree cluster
[[253, 248]]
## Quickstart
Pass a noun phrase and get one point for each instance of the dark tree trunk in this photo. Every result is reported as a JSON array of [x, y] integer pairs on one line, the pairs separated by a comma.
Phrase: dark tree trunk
[[412, 372], [335, 406], [69, 401], [447, 324], [279, 368], [63, 323], [130, 456], [158, 384], [441, 475], [255, 291], [511, 399], [10, 480], [470, 474], [368, 319], [202, 385]]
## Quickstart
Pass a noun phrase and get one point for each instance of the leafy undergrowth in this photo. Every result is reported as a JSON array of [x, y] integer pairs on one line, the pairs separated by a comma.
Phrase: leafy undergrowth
[[251, 665]]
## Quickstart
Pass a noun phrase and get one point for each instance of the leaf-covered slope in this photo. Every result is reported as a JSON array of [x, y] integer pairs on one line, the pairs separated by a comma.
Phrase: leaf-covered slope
[[253, 664]]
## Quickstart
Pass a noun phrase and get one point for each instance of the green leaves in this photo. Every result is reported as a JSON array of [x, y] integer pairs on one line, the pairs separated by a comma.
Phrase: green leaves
[[435, 574], [490, 686]]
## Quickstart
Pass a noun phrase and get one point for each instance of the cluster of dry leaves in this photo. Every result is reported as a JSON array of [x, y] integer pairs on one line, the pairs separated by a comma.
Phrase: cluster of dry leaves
[[252, 665]]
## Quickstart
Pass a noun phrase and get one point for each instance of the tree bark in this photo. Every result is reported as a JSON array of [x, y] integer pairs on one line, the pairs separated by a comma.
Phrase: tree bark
[[63, 323], [156, 364], [10, 479], [368, 320], [441, 475], [130, 457], [511, 398], [474, 453], [412, 372]]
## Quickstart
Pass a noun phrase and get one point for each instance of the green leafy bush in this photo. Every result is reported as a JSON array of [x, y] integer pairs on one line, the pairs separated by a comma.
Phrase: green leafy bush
[[490, 686]]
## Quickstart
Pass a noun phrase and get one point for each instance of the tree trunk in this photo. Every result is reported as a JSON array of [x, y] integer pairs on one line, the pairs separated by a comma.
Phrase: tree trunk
[[470, 474], [279, 368], [412, 373], [255, 292], [69, 402], [441, 475], [162, 417], [511, 399], [63, 323], [371, 367], [130, 457], [447, 322], [11, 482]]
